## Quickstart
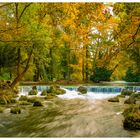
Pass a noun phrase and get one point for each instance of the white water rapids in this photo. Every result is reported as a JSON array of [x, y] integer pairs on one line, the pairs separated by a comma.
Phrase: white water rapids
[[90, 95], [73, 94]]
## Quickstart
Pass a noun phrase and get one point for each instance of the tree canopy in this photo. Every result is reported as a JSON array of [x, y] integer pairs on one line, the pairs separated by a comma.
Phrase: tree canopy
[[69, 41]]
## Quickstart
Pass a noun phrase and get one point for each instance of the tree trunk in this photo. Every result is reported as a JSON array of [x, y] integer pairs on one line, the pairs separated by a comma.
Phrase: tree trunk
[[18, 61], [87, 72], [69, 64], [51, 65], [20, 76]]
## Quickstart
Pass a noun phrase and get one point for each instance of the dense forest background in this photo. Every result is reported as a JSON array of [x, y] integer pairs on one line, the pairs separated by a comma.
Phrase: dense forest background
[[69, 41]]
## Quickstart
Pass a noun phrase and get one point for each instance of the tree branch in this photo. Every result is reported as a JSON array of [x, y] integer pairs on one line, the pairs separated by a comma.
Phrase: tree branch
[[26, 6]]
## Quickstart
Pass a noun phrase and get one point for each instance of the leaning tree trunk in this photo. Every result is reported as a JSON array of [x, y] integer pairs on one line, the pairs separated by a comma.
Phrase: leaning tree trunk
[[20, 76]]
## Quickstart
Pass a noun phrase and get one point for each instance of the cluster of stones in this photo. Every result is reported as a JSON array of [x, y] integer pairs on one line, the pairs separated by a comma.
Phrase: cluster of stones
[[131, 114], [9, 96]]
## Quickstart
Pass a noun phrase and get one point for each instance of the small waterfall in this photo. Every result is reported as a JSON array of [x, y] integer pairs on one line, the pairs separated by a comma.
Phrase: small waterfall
[[94, 92]]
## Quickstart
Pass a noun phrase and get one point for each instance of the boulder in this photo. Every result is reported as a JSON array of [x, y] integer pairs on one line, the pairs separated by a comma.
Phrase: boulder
[[37, 103], [82, 89], [32, 99], [50, 97], [133, 99], [126, 92], [132, 118], [24, 103], [44, 93], [32, 92], [23, 98], [1, 109], [115, 99], [15, 110], [55, 90]]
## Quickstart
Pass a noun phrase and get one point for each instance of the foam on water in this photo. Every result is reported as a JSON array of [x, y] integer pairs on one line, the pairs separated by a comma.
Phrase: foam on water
[[90, 95]]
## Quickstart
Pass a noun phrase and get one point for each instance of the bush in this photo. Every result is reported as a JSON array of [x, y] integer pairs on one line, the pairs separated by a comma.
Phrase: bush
[[37, 103], [131, 76], [82, 89], [15, 110], [101, 74]]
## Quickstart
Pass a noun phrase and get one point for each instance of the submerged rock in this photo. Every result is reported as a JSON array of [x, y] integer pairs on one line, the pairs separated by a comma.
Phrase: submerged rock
[[82, 89], [115, 99], [132, 118]]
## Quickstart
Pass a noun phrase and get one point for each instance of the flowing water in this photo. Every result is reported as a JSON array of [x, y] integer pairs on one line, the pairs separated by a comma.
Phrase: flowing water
[[69, 115]]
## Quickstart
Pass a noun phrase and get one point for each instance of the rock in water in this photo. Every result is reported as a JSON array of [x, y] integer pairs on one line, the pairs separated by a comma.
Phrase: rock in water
[[82, 89], [37, 103], [132, 118], [15, 110], [126, 92], [115, 99]]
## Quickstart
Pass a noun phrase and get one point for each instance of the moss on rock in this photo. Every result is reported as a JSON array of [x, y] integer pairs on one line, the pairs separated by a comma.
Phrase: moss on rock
[[37, 103], [24, 103], [32, 92], [32, 99], [44, 93], [1, 109], [50, 97], [133, 98], [126, 92], [15, 110], [55, 90], [23, 98], [82, 89], [132, 118]]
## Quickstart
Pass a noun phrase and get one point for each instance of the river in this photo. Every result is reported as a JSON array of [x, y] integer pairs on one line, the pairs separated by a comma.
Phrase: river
[[79, 116]]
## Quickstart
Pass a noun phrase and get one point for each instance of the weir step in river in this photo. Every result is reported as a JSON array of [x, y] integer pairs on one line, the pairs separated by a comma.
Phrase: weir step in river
[[94, 89]]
